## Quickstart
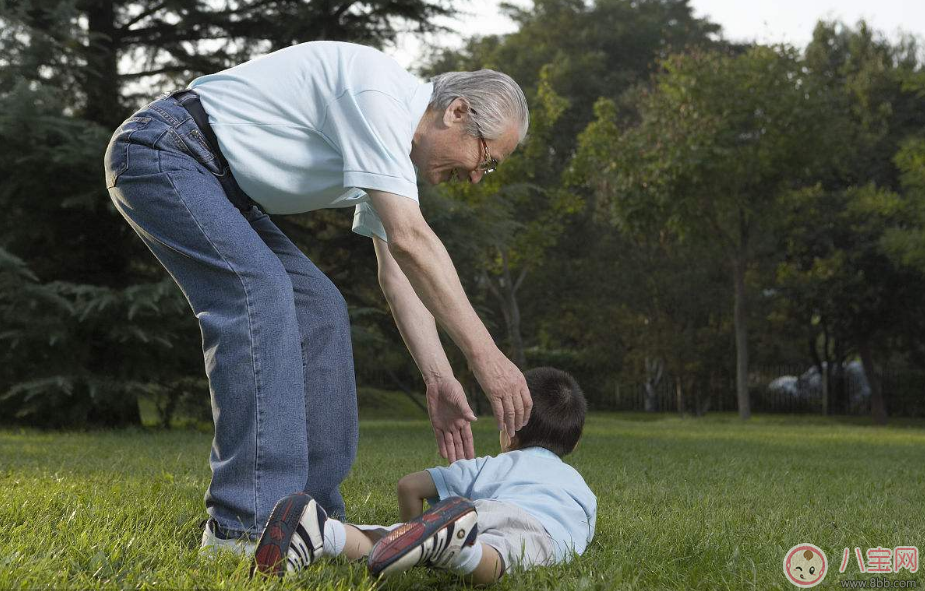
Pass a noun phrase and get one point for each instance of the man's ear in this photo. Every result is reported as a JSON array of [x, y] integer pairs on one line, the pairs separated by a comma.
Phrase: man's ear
[[456, 112]]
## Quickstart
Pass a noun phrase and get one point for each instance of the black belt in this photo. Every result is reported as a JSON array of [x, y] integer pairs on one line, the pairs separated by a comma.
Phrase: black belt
[[189, 100]]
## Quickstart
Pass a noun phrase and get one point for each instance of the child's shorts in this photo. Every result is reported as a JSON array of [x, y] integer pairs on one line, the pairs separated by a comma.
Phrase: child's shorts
[[519, 537]]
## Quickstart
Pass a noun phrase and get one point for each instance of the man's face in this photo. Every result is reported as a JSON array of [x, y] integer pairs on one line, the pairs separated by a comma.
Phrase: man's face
[[443, 151]]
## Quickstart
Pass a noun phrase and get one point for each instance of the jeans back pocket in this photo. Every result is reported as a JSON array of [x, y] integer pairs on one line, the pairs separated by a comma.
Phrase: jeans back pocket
[[115, 161], [195, 144]]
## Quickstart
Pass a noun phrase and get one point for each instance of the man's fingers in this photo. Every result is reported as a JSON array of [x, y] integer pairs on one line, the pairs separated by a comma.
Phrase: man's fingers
[[441, 443], [510, 415], [498, 409], [528, 404], [468, 443], [458, 445], [450, 447], [466, 410], [518, 411]]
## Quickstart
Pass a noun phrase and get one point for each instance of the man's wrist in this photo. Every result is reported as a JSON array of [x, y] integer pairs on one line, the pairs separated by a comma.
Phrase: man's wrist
[[483, 355], [432, 377]]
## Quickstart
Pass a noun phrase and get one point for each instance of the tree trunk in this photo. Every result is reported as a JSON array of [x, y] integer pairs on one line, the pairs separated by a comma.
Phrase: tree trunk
[[741, 336], [825, 370], [877, 402], [654, 369], [505, 291], [100, 79], [518, 353], [679, 395]]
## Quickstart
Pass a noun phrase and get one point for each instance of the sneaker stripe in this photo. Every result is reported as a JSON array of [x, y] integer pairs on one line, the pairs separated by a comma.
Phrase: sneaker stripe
[[299, 548], [303, 536]]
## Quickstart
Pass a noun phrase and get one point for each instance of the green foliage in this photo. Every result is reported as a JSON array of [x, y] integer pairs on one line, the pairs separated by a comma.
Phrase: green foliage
[[905, 241], [54, 331]]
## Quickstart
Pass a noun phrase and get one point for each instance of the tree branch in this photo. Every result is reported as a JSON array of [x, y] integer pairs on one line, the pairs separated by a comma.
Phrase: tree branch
[[144, 14], [520, 278], [134, 75]]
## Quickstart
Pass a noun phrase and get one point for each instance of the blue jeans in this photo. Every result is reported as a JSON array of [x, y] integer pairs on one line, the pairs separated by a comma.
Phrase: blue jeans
[[275, 331]]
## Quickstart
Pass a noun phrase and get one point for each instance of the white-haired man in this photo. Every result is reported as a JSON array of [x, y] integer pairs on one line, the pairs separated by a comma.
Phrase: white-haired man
[[313, 126]]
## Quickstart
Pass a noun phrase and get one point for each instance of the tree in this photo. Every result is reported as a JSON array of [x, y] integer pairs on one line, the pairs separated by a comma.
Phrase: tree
[[719, 138], [565, 55], [837, 277]]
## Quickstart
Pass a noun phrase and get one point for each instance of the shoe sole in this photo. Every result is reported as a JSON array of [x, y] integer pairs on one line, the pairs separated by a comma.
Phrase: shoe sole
[[273, 546], [411, 535]]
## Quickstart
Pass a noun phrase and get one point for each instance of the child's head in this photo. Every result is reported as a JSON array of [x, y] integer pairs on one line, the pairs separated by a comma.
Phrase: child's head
[[558, 414]]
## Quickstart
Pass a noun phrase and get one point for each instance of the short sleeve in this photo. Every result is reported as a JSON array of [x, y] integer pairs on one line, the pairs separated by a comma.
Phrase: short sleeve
[[457, 478], [373, 131], [366, 222]]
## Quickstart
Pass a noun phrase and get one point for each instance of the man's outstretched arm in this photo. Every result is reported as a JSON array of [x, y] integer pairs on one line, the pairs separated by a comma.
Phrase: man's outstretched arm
[[425, 262], [446, 401]]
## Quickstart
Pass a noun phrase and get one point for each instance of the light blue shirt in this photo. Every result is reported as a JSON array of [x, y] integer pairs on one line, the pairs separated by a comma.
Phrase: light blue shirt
[[537, 481], [311, 126]]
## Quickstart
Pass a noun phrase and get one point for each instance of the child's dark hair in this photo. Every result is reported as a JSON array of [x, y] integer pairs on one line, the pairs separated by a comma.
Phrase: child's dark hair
[[558, 414]]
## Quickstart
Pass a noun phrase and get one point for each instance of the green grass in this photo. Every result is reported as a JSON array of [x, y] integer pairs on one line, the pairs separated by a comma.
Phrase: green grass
[[683, 504]]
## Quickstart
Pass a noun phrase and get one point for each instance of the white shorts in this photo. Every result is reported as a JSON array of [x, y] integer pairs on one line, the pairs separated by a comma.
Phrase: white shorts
[[519, 537]]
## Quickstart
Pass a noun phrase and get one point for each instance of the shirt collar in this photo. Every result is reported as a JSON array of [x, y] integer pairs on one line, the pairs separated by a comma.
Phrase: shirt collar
[[419, 102], [540, 451]]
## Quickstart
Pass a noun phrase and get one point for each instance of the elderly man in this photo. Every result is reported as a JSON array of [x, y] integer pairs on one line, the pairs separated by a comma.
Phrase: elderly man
[[313, 126]]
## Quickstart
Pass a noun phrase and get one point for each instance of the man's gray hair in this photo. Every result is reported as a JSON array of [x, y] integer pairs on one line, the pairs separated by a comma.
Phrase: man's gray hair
[[497, 101]]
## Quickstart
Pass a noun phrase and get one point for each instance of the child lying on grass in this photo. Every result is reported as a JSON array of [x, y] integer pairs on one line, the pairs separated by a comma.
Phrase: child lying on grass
[[520, 509]]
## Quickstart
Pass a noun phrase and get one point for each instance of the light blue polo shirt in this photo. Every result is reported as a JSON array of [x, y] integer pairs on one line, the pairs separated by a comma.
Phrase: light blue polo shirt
[[537, 481], [310, 126]]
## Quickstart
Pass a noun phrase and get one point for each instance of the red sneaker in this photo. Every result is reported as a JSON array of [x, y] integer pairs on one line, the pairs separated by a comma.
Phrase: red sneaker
[[293, 537], [431, 539]]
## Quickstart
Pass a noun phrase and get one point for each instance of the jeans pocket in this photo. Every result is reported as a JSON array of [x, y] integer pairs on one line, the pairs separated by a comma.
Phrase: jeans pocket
[[115, 161], [195, 144]]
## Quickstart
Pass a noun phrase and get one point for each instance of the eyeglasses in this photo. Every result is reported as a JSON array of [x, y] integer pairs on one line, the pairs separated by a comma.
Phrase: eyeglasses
[[488, 164]]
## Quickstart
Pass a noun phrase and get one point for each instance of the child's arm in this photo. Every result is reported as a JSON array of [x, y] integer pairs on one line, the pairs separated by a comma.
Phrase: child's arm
[[413, 490]]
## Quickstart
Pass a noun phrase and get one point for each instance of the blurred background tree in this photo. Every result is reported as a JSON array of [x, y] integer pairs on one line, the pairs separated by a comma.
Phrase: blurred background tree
[[686, 216]]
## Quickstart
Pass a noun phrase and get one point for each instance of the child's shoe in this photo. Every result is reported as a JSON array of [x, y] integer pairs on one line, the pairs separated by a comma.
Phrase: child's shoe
[[431, 539], [293, 537]]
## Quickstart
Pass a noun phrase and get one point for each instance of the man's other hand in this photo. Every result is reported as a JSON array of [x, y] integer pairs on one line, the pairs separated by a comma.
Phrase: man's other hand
[[506, 388], [450, 416]]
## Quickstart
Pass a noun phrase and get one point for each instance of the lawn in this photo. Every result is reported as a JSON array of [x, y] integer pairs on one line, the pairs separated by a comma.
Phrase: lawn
[[683, 504]]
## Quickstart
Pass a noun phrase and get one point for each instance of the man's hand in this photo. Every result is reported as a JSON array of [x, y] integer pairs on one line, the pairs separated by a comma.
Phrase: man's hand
[[450, 416], [506, 388]]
